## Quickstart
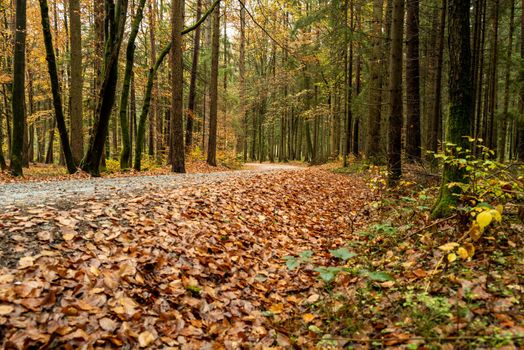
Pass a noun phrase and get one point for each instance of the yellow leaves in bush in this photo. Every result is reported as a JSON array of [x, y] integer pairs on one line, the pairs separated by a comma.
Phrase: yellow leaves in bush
[[466, 251], [485, 218]]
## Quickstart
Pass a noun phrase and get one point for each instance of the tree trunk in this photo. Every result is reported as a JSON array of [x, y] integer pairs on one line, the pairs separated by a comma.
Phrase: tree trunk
[[435, 118], [192, 85], [177, 89], [155, 123], [213, 91], [125, 156], [115, 24], [18, 105], [373, 152], [242, 81], [520, 122], [460, 99], [503, 123], [55, 88], [77, 134], [413, 150], [395, 89]]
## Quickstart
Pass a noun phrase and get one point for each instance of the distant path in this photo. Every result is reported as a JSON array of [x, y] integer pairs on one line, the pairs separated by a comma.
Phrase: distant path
[[50, 192]]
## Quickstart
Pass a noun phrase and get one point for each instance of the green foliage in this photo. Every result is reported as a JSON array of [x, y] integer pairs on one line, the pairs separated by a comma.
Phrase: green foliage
[[295, 262], [342, 253], [488, 183]]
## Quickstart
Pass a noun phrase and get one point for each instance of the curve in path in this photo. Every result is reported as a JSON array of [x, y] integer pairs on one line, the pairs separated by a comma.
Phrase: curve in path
[[34, 193]]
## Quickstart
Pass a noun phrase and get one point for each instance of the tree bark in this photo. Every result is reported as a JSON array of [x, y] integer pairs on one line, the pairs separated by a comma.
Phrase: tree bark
[[435, 118], [192, 85], [177, 89], [77, 134], [395, 88], [460, 100], [115, 24], [413, 143], [55, 88], [18, 105], [213, 91], [503, 122], [125, 156], [374, 106]]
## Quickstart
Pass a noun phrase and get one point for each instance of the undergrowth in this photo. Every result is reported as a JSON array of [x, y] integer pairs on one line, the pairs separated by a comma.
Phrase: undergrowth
[[410, 281]]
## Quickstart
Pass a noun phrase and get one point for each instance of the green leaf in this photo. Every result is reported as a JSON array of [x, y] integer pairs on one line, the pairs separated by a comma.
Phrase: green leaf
[[328, 274], [377, 276], [292, 262], [314, 329], [306, 255], [342, 253]]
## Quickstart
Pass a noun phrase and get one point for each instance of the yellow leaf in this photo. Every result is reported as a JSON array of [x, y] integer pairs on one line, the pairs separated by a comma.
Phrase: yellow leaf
[[463, 253], [448, 246], [25, 262], [308, 317], [470, 248], [500, 208], [145, 339], [6, 309], [452, 257], [276, 308], [496, 215], [68, 236], [484, 219], [475, 231]]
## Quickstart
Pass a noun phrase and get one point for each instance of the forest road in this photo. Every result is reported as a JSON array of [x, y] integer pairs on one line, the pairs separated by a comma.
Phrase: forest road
[[68, 191]]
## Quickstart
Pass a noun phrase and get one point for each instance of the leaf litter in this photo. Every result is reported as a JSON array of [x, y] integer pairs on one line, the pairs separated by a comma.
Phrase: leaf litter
[[195, 268]]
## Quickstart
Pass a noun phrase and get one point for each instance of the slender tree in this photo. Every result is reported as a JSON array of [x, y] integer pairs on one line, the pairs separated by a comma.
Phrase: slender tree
[[193, 80], [177, 89], [125, 156], [502, 128], [395, 98], [76, 96], [55, 88], [18, 104], [114, 27], [374, 105], [460, 100], [413, 142], [213, 91]]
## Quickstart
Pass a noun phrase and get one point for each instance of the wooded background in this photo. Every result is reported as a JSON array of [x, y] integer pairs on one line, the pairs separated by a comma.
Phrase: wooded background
[[260, 80]]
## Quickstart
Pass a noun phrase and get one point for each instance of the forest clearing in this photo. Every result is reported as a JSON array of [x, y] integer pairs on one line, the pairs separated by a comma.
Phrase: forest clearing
[[262, 174]]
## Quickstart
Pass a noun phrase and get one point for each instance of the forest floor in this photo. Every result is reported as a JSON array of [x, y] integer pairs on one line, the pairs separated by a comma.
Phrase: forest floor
[[269, 257]]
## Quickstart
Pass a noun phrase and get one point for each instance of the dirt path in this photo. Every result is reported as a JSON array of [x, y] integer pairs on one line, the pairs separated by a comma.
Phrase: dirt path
[[49, 192]]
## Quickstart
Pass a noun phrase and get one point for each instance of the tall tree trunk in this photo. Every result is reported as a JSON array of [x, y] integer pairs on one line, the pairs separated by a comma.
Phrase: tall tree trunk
[[149, 91], [435, 117], [395, 89], [125, 156], [492, 105], [18, 105], [520, 122], [213, 91], [503, 122], [242, 81], [55, 88], [460, 99], [77, 133], [115, 24], [413, 143], [192, 85], [155, 123], [3, 165], [373, 152], [177, 89]]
